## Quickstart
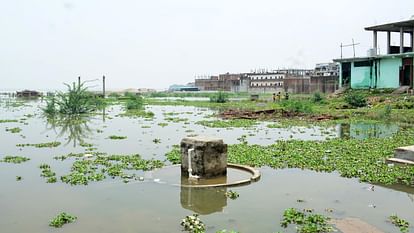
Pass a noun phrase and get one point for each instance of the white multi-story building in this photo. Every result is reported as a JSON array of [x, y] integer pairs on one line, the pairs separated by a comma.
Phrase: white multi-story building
[[267, 80]]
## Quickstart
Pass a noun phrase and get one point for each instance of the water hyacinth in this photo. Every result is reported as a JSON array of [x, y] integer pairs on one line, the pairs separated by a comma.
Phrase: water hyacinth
[[193, 224]]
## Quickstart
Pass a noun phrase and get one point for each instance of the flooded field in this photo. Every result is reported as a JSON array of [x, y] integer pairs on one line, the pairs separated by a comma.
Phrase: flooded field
[[150, 204]]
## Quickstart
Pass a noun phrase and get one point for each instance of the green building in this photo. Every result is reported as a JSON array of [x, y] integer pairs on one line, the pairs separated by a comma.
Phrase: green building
[[391, 70]]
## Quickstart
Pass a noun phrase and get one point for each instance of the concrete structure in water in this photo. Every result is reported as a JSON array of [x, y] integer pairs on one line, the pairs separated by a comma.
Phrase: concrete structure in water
[[391, 70], [203, 157]]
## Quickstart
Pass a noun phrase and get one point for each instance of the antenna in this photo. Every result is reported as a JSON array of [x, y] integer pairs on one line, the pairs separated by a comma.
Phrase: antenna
[[349, 45]]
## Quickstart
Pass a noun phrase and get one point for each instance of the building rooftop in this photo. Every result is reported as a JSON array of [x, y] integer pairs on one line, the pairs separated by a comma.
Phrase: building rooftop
[[407, 25], [410, 54]]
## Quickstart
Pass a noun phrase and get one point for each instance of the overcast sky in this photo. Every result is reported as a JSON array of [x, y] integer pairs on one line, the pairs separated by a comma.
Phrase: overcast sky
[[156, 43]]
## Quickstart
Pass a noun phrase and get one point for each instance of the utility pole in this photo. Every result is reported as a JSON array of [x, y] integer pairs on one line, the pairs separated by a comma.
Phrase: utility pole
[[348, 45], [79, 81], [103, 86]]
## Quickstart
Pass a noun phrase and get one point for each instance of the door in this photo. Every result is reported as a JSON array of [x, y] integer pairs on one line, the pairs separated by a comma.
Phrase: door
[[346, 74], [406, 72]]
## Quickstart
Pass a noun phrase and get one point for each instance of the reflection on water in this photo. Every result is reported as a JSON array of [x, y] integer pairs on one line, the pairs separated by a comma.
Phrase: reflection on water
[[203, 201], [75, 127], [362, 130]]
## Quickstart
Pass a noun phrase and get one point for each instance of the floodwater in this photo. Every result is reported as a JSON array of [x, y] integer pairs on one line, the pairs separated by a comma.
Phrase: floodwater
[[155, 206]]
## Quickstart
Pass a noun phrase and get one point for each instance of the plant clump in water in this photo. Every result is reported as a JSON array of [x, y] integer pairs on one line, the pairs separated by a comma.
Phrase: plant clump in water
[[306, 223], [399, 222], [48, 173], [193, 224], [62, 219], [14, 130], [41, 145], [116, 137], [14, 159], [232, 194]]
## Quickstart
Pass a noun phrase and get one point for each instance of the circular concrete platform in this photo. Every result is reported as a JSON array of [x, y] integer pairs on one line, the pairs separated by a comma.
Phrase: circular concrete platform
[[237, 175]]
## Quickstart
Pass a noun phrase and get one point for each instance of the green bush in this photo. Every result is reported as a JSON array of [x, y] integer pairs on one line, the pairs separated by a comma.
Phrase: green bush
[[296, 106], [220, 97], [356, 99], [134, 102], [317, 97]]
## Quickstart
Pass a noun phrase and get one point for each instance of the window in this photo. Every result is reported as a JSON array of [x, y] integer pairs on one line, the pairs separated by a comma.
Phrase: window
[[362, 63]]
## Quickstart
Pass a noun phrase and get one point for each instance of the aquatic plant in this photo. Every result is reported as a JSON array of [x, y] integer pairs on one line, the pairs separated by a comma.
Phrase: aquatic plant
[[297, 106], [400, 223], [134, 102], [352, 158], [76, 100], [232, 194], [8, 121], [96, 166], [18, 178], [14, 130], [193, 224], [238, 123], [48, 173], [14, 159], [116, 137], [306, 223], [62, 219], [219, 97], [40, 145]]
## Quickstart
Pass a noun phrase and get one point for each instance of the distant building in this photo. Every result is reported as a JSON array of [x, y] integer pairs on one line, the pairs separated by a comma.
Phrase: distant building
[[266, 81], [326, 69], [223, 82], [187, 87], [391, 70], [28, 93]]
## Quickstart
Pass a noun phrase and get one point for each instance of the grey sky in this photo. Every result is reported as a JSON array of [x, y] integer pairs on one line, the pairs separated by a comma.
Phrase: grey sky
[[161, 42]]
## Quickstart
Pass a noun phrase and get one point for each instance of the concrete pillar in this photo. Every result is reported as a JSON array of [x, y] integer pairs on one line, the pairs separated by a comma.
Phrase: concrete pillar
[[401, 40], [412, 41], [375, 42], [204, 157], [388, 42]]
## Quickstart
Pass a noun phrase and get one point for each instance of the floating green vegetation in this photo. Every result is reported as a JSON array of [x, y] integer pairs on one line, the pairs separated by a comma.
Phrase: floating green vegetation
[[84, 144], [226, 231], [145, 126], [156, 140], [96, 166], [232, 194], [8, 121], [400, 223], [193, 224], [274, 126], [14, 130], [174, 156], [41, 145], [18, 178], [352, 158], [14, 159], [306, 223], [48, 173], [137, 113], [115, 137], [162, 124], [237, 123], [62, 219], [176, 119]]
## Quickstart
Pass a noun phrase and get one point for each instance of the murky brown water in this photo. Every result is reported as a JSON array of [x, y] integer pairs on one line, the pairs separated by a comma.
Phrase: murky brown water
[[156, 206]]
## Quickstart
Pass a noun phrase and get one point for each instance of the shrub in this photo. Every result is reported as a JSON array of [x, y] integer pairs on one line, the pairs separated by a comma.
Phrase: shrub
[[134, 102], [296, 106], [220, 97], [317, 97], [356, 99]]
